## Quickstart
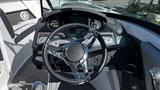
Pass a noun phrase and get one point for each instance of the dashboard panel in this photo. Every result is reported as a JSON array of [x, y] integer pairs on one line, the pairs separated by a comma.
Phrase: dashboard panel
[[57, 20], [111, 32], [94, 22]]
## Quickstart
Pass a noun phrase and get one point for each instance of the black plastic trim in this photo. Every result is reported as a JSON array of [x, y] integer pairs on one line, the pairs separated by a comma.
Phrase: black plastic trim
[[62, 10], [1, 56]]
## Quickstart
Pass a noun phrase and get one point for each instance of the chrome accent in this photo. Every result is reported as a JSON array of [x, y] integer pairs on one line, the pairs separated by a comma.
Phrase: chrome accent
[[75, 71], [155, 73], [53, 52], [56, 54], [79, 76], [84, 65], [95, 24]]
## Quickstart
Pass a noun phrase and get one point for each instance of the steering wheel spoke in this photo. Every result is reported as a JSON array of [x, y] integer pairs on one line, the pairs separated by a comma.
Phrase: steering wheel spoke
[[85, 66], [80, 76], [52, 49], [74, 69], [90, 38], [56, 54]]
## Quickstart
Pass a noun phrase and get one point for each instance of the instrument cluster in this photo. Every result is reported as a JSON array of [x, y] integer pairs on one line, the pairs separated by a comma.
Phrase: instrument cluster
[[94, 23], [53, 24]]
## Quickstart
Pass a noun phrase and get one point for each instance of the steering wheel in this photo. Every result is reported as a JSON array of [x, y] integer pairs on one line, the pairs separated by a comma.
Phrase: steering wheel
[[74, 53]]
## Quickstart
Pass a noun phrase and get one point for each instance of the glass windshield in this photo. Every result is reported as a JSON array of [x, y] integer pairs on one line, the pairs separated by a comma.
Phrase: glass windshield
[[148, 10]]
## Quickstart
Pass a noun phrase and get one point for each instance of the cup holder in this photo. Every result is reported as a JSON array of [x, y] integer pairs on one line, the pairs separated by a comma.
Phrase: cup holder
[[130, 69]]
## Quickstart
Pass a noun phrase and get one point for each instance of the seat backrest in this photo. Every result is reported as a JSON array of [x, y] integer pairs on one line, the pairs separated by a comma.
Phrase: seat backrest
[[18, 47], [7, 23], [12, 49], [4, 65], [8, 40], [6, 45]]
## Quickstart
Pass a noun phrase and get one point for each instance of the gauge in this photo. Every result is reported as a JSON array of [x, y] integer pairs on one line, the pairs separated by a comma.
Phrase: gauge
[[119, 31], [54, 24], [95, 24]]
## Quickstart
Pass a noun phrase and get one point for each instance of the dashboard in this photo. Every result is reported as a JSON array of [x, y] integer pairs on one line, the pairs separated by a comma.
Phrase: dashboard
[[110, 29], [55, 21]]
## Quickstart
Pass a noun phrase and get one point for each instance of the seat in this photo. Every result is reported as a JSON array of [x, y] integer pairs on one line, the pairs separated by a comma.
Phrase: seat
[[21, 31], [18, 46]]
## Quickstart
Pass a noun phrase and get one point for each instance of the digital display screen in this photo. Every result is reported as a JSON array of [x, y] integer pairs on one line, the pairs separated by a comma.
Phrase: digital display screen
[[109, 40], [42, 37]]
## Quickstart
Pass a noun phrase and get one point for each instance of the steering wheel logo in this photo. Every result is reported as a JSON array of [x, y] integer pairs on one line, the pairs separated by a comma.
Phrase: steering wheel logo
[[24, 15]]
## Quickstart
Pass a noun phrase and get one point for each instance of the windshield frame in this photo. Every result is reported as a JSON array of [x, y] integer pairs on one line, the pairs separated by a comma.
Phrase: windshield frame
[[50, 4], [139, 14]]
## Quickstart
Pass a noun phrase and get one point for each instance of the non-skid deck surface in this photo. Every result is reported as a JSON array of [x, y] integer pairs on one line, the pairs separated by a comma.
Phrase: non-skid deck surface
[[76, 87], [131, 83], [30, 74]]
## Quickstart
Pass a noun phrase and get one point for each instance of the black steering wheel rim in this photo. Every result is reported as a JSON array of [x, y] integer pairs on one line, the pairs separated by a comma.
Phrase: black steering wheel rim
[[69, 80]]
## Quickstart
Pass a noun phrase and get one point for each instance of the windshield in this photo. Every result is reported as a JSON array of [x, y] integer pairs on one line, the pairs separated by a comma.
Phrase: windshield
[[148, 10]]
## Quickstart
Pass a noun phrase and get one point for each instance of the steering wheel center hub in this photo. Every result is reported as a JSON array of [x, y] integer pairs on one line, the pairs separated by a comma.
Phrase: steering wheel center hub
[[74, 52]]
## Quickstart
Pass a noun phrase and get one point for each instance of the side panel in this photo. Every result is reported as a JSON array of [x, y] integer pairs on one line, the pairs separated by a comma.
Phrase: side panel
[[141, 33], [150, 49], [151, 59], [4, 66]]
